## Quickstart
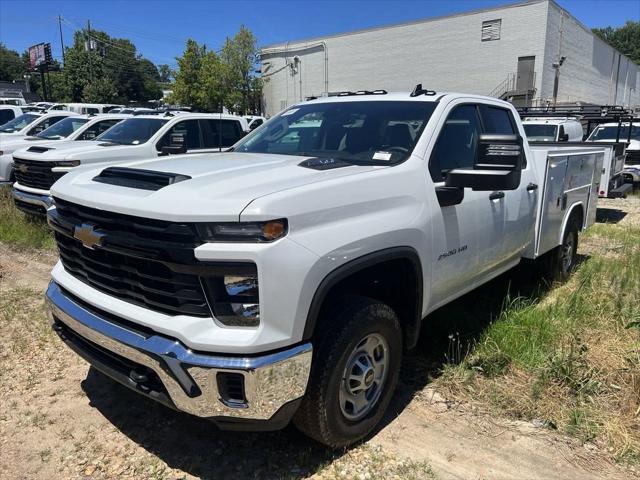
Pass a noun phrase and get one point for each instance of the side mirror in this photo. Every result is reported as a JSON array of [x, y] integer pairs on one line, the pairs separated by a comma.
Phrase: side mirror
[[176, 146], [90, 135], [498, 165]]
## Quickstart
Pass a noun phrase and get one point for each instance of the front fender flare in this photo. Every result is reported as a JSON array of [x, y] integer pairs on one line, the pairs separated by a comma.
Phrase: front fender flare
[[371, 259]]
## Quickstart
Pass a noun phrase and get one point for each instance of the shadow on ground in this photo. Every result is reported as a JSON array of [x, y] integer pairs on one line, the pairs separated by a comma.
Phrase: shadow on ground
[[199, 448], [609, 215]]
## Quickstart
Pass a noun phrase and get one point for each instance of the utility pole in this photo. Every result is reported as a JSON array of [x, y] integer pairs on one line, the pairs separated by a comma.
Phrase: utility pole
[[88, 35], [556, 79], [61, 39], [43, 80]]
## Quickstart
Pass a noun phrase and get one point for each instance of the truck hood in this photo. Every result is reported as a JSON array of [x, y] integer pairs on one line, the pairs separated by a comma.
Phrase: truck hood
[[11, 145], [220, 187], [72, 150]]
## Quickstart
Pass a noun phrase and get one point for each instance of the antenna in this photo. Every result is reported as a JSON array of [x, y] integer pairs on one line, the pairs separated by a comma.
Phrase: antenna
[[418, 90]]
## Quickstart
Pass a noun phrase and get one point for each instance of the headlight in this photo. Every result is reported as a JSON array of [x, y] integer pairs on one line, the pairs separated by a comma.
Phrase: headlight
[[68, 163], [234, 299], [243, 231]]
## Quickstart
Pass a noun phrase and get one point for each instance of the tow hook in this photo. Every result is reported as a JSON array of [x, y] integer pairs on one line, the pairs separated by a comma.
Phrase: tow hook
[[139, 379]]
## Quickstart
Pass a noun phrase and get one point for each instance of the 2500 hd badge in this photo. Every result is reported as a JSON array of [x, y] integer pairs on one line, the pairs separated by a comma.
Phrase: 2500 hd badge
[[452, 252]]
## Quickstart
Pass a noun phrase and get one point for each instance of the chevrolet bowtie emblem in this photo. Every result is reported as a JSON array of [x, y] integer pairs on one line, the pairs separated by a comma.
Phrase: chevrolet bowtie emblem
[[23, 168], [88, 236]]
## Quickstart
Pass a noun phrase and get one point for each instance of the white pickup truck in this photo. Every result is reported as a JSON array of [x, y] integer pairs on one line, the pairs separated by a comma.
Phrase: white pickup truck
[[73, 128], [623, 167], [29, 123], [8, 113], [284, 279], [138, 137]]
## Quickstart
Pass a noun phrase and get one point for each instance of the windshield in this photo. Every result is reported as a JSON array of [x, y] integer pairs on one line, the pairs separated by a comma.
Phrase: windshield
[[356, 132], [540, 133], [63, 128], [18, 123], [610, 133], [132, 131]]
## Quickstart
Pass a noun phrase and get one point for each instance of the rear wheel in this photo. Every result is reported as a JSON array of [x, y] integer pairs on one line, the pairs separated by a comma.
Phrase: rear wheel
[[562, 260], [354, 374]]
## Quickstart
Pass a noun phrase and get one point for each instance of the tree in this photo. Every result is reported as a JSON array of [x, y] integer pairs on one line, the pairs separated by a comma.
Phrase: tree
[[206, 81], [239, 57], [12, 67], [625, 39], [165, 72], [101, 68], [187, 89], [211, 81], [102, 90]]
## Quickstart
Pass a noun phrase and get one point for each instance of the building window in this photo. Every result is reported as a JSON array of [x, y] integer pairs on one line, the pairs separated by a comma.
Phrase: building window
[[491, 30]]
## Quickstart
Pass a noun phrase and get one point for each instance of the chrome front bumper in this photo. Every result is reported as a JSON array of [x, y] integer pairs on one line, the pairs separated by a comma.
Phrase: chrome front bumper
[[190, 378], [44, 201]]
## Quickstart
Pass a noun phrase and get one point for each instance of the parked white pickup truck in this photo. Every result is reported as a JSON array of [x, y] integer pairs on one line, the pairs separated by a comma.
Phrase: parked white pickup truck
[[30, 123], [138, 137], [8, 113], [615, 170], [73, 128], [553, 129], [284, 279]]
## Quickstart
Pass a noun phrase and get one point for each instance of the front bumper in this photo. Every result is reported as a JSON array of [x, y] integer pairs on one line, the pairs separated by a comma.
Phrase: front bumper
[[164, 369], [31, 202]]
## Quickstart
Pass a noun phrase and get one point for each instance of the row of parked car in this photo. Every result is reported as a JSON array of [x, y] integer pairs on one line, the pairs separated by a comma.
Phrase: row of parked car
[[603, 125], [38, 147]]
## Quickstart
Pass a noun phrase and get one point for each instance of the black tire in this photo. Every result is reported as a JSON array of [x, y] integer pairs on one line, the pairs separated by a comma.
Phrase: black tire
[[562, 260], [351, 320]]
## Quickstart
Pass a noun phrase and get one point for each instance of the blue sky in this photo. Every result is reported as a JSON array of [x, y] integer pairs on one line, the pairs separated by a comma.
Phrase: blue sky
[[160, 28]]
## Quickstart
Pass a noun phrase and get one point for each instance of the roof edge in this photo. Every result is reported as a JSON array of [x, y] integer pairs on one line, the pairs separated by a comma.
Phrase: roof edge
[[403, 24]]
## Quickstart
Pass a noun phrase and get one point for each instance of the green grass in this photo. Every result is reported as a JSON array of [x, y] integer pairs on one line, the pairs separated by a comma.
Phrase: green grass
[[571, 357], [19, 230]]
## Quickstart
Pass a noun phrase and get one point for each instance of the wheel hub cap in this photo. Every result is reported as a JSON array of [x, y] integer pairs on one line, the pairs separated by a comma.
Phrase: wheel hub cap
[[364, 376]]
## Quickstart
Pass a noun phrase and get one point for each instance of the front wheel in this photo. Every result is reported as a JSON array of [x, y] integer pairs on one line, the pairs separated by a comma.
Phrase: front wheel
[[354, 372]]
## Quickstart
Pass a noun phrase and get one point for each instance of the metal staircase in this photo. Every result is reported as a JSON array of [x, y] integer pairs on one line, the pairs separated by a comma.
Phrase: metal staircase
[[516, 89]]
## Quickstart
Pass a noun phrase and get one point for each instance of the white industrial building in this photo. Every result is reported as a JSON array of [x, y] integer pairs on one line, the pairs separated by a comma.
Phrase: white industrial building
[[514, 52]]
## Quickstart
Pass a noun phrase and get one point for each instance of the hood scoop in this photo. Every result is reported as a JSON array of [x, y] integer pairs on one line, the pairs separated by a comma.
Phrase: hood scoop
[[323, 163], [138, 178], [38, 149]]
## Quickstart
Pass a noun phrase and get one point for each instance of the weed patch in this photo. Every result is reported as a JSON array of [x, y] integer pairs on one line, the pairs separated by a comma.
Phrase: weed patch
[[570, 357], [20, 230]]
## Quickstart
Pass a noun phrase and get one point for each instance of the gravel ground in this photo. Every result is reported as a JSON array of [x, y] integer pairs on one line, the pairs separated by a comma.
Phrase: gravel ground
[[61, 419]]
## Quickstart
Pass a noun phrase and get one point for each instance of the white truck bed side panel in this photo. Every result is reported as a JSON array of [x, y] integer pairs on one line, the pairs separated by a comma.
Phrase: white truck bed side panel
[[572, 178]]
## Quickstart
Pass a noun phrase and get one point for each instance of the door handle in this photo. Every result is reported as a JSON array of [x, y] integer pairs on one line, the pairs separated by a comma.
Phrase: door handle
[[531, 187], [496, 196]]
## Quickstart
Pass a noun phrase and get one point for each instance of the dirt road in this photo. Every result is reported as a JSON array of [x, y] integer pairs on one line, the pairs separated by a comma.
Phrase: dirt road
[[59, 419]]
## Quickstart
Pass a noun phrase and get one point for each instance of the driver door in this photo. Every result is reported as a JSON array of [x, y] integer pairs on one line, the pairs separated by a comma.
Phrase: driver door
[[466, 236]]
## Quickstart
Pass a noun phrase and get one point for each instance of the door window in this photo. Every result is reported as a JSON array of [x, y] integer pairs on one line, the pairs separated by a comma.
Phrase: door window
[[97, 128], [6, 115], [497, 120], [220, 133], [45, 124], [456, 145], [189, 129]]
